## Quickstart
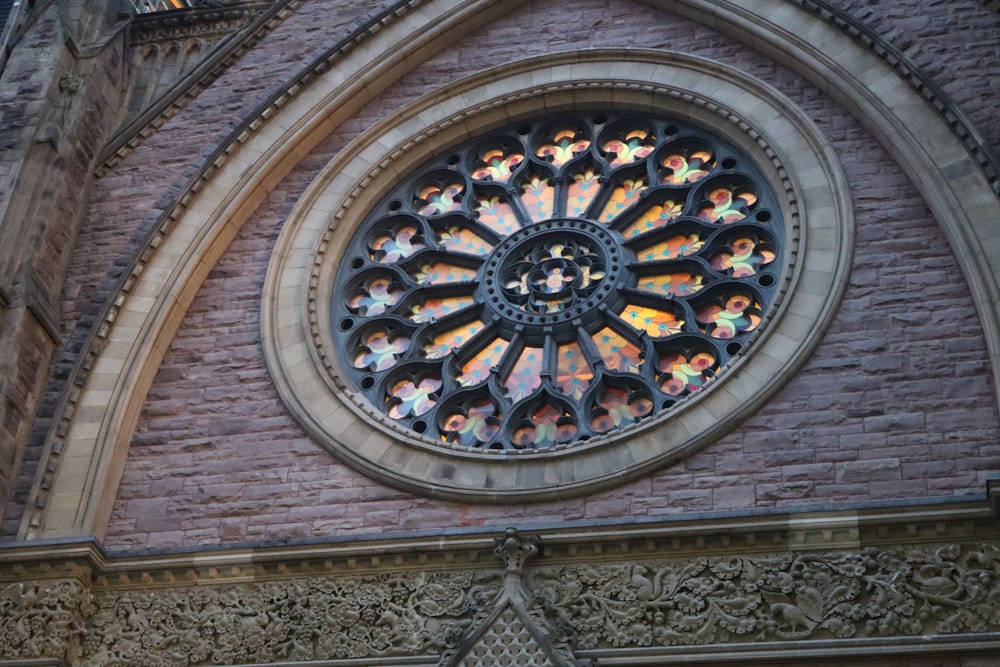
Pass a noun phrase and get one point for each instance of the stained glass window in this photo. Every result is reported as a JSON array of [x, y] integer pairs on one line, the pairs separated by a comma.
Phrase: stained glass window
[[557, 281]]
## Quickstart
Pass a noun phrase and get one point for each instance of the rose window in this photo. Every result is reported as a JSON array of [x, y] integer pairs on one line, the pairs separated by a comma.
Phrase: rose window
[[557, 281]]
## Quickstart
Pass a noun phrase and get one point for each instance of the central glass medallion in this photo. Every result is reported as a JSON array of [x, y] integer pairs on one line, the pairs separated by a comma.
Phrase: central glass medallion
[[556, 281]]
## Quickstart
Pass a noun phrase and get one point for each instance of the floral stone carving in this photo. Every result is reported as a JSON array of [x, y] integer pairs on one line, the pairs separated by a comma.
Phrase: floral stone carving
[[44, 620], [305, 619], [874, 593]]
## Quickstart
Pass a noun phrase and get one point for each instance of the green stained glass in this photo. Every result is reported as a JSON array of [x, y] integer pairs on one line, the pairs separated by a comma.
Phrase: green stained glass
[[563, 147], [435, 199], [548, 426], [739, 314], [681, 168], [727, 206], [635, 145], [497, 164], [742, 258], [682, 374]]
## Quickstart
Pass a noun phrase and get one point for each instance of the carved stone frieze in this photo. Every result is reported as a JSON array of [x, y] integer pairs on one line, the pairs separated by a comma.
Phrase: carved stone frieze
[[875, 593], [86, 609], [207, 19], [290, 620], [44, 620]]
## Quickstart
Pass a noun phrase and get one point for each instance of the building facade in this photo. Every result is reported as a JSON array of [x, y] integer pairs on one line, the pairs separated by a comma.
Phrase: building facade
[[451, 332]]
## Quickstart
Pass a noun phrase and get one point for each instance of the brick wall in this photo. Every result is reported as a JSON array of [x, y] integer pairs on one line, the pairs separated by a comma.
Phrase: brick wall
[[896, 403]]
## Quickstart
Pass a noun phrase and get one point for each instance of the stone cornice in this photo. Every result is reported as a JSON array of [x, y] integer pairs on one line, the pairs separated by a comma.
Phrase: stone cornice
[[197, 22], [687, 535]]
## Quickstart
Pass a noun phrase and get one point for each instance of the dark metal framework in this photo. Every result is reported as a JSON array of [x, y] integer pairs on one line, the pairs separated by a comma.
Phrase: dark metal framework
[[557, 280]]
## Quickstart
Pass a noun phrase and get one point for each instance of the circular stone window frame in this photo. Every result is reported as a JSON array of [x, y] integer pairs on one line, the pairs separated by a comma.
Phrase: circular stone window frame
[[766, 126]]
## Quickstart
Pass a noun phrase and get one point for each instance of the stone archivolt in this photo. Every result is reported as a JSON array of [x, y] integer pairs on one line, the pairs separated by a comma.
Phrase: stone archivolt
[[578, 610]]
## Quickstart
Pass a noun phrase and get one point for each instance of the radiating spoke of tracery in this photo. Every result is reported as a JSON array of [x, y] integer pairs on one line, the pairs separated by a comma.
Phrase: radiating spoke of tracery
[[557, 281]]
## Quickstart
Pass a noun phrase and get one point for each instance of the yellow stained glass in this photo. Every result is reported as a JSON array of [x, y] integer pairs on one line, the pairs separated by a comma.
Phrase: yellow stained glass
[[687, 168], [433, 309], [622, 198], [655, 217], [459, 239], [727, 206], [547, 426], [449, 341], [538, 197], [573, 374], [440, 273], [565, 145], [656, 323], [497, 214], [617, 352], [477, 369], [526, 375], [739, 314], [435, 199], [496, 164], [742, 259], [636, 145], [677, 284], [683, 375], [582, 190], [672, 248]]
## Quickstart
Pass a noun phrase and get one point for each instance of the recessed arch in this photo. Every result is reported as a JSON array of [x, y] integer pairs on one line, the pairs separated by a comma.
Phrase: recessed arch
[[92, 453]]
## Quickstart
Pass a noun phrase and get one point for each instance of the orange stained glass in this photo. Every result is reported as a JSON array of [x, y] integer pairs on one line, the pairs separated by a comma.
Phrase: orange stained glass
[[408, 397], [479, 424], [376, 296], [538, 197], [565, 145], [687, 169], [435, 199], [391, 247], [440, 273], [478, 369], [526, 375], [684, 375], [622, 198], [618, 407], [379, 350], [656, 323], [674, 247], [739, 314], [655, 217], [495, 164], [497, 214], [636, 145], [727, 206], [573, 374], [433, 309], [617, 352], [460, 239], [742, 259], [549, 425], [443, 344], [676, 284], [581, 192]]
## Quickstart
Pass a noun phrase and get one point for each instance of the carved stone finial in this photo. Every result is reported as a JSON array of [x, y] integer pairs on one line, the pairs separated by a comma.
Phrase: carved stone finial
[[515, 549]]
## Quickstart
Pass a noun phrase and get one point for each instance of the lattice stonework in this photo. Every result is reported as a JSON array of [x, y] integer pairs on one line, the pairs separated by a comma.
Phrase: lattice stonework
[[557, 280]]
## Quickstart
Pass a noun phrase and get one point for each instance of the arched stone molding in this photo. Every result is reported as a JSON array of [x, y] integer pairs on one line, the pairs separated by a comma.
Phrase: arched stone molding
[[297, 335], [83, 459]]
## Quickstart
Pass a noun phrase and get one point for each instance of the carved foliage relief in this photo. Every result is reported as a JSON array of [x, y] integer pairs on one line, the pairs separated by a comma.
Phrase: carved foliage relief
[[304, 619], [874, 593]]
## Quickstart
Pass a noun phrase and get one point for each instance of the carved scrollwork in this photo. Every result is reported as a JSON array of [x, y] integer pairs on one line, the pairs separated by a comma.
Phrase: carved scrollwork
[[305, 619], [44, 620], [874, 593]]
